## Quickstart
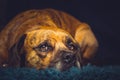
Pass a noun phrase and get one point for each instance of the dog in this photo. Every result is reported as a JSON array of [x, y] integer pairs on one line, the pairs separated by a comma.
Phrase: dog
[[46, 38]]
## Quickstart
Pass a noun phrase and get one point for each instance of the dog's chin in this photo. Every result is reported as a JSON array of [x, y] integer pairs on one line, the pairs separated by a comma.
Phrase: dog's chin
[[63, 66]]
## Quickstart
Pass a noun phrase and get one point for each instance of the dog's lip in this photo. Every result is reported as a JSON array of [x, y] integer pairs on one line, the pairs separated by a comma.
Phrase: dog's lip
[[55, 61]]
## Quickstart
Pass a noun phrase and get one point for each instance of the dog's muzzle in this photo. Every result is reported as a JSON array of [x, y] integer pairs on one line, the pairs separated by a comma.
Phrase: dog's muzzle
[[68, 58], [65, 60]]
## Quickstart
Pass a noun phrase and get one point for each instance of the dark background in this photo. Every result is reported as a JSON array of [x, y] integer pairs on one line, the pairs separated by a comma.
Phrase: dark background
[[102, 15]]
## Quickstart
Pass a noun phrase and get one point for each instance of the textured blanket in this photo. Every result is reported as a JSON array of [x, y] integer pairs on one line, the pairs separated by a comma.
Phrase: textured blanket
[[86, 73]]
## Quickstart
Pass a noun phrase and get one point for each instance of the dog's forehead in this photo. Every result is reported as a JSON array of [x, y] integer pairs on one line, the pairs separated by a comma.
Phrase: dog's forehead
[[48, 33], [53, 35]]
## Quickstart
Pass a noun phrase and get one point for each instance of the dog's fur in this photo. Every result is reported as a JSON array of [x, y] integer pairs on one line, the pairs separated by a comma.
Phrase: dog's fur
[[43, 38]]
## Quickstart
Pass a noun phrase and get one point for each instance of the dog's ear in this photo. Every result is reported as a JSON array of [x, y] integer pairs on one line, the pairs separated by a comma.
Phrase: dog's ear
[[87, 41], [17, 53]]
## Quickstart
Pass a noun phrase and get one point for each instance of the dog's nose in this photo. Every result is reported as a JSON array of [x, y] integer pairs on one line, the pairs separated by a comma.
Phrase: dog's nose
[[68, 57]]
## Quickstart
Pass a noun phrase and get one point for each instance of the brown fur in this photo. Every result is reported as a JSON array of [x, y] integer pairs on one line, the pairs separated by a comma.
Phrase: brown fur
[[34, 23]]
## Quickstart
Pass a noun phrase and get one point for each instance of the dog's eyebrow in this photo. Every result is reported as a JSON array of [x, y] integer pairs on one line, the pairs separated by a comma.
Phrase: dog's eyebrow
[[44, 42], [68, 39]]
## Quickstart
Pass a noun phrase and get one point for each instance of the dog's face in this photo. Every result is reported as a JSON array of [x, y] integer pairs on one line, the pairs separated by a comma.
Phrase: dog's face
[[51, 48]]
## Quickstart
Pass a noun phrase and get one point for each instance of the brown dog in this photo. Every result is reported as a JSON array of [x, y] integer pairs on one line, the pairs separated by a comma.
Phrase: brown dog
[[46, 38]]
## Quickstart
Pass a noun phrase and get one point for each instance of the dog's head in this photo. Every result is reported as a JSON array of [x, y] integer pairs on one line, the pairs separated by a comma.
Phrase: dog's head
[[48, 47]]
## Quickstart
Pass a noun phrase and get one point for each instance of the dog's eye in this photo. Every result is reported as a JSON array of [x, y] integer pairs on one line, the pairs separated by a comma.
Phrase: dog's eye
[[45, 47], [71, 45]]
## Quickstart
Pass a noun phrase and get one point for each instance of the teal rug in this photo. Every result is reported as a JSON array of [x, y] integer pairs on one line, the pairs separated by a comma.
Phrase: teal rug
[[86, 73]]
